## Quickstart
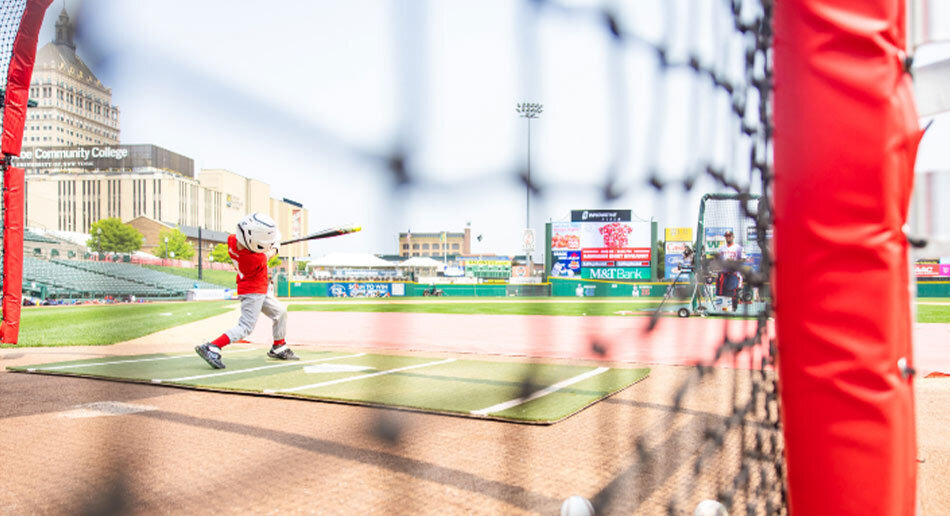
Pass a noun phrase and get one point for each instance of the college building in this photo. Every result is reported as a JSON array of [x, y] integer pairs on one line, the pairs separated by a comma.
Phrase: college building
[[77, 172]]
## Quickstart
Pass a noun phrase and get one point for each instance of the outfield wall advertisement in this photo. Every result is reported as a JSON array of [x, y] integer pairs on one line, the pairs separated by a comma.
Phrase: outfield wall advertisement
[[361, 290], [675, 246], [602, 244]]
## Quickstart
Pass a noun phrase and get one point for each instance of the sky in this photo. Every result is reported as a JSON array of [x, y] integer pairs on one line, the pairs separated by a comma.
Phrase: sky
[[314, 97]]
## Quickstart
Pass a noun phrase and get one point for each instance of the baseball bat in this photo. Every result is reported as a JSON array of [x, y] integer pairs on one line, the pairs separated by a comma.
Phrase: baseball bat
[[325, 233]]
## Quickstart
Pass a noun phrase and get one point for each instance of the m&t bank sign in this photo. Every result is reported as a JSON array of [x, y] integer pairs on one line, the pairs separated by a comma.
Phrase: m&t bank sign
[[616, 273]]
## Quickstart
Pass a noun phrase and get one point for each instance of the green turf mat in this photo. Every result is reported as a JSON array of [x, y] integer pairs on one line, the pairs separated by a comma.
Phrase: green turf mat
[[540, 393]]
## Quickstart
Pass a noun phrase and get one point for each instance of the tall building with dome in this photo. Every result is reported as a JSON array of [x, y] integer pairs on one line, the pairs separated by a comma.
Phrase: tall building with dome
[[78, 173], [73, 106]]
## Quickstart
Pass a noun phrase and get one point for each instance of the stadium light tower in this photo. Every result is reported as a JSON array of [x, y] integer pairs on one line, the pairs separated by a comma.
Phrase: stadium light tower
[[528, 110]]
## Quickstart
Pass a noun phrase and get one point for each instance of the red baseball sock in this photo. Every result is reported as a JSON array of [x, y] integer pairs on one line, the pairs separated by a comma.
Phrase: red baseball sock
[[221, 341], [279, 343]]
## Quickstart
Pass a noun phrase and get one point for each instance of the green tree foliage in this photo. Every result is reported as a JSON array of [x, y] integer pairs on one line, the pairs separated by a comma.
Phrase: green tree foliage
[[174, 241], [660, 259], [220, 254], [112, 236]]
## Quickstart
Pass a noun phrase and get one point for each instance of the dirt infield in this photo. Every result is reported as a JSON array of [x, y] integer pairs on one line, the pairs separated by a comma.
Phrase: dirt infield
[[187, 452]]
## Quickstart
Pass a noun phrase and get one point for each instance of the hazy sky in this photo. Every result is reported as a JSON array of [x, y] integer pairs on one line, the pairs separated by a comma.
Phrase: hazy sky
[[305, 95]]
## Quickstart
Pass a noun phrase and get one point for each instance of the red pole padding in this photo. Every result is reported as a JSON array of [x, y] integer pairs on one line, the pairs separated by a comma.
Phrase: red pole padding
[[846, 135], [13, 179], [17, 91]]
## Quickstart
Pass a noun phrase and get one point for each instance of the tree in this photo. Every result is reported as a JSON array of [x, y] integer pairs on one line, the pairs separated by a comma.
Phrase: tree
[[112, 236], [174, 241], [660, 259], [220, 254]]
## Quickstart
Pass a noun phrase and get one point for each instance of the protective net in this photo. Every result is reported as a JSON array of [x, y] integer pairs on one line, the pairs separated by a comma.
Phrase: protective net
[[688, 84], [10, 14]]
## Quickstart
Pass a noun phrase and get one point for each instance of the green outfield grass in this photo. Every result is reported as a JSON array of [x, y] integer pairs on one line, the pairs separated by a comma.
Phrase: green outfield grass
[[500, 306], [933, 313], [223, 278], [933, 300], [95, 325], [497, 389]]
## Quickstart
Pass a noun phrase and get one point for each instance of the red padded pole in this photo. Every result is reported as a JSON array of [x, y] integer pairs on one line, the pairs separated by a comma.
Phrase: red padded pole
[[846, 135], [13, 179]]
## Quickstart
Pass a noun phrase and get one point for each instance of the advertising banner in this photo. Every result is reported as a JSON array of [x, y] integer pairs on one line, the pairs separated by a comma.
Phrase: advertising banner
[[488, 263], [616, 273], [636, 254], [567, 264], [945, 269], [676, 247], [672, 270], [679, 234], [359, 289], [715, 238], [926, 270], [601, 215], [616, 235], [674, 256], [565, 236], [454, 271]]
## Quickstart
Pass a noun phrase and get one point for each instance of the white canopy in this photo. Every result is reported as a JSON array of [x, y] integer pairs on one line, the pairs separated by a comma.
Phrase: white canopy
[[350, 260], [421, 262]]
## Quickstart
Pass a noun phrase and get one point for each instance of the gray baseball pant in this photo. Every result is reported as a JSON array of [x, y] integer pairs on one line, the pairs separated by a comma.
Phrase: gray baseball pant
[[252, 306]]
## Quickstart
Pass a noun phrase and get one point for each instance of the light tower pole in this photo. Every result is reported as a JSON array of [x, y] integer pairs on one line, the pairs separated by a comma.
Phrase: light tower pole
[[528, 110]]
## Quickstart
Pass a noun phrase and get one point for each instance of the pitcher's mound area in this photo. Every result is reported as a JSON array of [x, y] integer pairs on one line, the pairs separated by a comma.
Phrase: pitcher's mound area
[[517, 391]]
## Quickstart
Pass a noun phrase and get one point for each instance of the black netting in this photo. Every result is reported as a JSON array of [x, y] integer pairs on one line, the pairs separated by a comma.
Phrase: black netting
[[11, 12], [695, 73]]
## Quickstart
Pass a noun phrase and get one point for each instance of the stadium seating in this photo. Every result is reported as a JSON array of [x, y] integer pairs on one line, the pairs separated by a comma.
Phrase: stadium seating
[[139, 274], [29, 236], [88, 279]]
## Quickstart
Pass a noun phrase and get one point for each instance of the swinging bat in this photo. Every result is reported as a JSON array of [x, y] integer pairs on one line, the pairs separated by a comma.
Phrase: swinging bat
[[325, 233]]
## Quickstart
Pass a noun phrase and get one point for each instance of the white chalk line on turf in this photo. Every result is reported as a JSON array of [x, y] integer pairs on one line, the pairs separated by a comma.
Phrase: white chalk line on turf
[[34, 369], [238, 371], [360, 377], [543, 392]]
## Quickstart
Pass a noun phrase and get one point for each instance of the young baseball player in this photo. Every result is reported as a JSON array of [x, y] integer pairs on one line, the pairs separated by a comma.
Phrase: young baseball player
[[254, 242]]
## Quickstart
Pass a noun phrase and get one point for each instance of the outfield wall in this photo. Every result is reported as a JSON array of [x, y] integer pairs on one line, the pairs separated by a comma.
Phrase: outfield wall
[[933, 289], [556, 287], [560, 287]]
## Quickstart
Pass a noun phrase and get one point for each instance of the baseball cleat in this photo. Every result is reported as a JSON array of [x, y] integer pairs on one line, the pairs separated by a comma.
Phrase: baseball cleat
[[211, 354], [282, 353]]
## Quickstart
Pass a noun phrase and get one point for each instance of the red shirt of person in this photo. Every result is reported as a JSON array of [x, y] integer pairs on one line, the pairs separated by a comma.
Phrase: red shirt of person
[[251, 268]]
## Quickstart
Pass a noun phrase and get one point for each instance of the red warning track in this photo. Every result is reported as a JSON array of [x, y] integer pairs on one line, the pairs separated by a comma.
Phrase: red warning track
[[674, 341]]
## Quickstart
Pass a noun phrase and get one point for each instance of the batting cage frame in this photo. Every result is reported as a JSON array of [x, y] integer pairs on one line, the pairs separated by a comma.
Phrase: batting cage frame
[[19, 70]]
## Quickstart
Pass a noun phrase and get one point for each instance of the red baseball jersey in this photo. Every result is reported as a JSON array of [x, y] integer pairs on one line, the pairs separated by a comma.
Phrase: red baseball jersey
[[251, 266]]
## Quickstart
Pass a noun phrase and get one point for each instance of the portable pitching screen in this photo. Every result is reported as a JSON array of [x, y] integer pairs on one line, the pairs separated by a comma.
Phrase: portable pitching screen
[[777, 108], [19, 26]]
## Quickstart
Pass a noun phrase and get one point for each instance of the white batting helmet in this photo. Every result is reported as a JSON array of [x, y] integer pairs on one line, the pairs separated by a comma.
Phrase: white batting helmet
[[258, 232]]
